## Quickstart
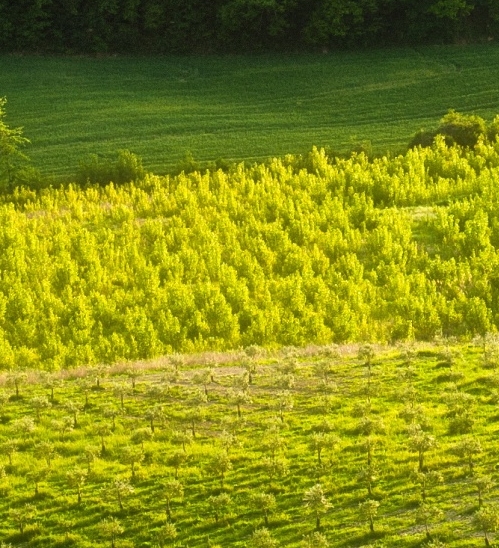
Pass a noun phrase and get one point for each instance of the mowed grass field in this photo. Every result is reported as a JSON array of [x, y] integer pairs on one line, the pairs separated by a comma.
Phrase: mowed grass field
[[239, 107]]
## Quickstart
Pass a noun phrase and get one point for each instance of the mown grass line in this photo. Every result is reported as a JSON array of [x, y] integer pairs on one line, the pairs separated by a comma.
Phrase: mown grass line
[[239, 107]]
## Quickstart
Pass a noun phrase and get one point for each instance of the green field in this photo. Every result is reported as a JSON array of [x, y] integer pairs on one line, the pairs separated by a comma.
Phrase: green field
[[83, 430], [239, 107]]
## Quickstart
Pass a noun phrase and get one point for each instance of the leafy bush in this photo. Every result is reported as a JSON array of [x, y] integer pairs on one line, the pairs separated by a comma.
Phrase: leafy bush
[[457, 128], [96, 169]]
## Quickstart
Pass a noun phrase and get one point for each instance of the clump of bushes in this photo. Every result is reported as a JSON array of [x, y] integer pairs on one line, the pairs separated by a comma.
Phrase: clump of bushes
[[95, 169], [458, 129]]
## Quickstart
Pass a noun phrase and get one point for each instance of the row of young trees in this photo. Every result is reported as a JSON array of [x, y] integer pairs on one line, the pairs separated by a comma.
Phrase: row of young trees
[[318, 435], [155, 26]]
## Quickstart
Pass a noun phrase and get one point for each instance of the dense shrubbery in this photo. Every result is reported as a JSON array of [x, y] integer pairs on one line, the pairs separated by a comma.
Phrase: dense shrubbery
[[299, 250], [461, 129], [156, 26]]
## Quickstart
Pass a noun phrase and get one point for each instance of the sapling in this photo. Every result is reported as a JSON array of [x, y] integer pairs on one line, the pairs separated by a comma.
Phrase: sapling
[[22, 516], [219, 504], [368, 476], [368, 511], [320, 441], [262, 538], [219, 465], [76, 478], [141, 435], [111, 528], [315, 500], [118, 489], [39, 404], [426, 515], [182, 438], [486, 520], [421, 442], [483, 484], [172, 489], [74, 409], [240, 398], [264, 502], [133, 456], [426, 480], [166, 534], [177, 460], [284, 403], [275, 468], [467, 449], [154, 414], [45, 450]]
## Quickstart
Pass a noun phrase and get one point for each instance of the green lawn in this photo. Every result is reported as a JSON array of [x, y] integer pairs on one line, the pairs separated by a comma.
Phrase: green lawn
[[239, 107]]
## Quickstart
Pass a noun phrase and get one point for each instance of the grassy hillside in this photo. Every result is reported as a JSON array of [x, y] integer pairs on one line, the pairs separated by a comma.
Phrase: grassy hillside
[[239, 107], [204, 420]]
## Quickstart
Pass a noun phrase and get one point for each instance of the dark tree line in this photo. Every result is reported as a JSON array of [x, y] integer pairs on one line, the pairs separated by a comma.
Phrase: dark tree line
[[198, 26]]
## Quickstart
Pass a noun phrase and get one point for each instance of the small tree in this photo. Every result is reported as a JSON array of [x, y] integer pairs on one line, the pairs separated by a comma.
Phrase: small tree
[[172, 489], [219, 504], [63, 426], [24, 427], [275, 468], [132, 374], [76, 478], [263, 539], [45, 450], [368, 475], [240, 398], [177, 460], [182, 438], [368, 511], [167, 534], [74, 409], [90, 453], [119, 489], [315, 500], [111, 528], [132, 456], [466, 449], [22, 516], [39, 404], [9, 448], [121, 390], [272, 442], [219, 465], [264, 502], [428, 514], [284, 403], [154, 414], [486, 520], [15, 378], [141, 435], [36, 475], [426, 480], [320, 441], [483, 484], [103, 431], [421, 442]]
